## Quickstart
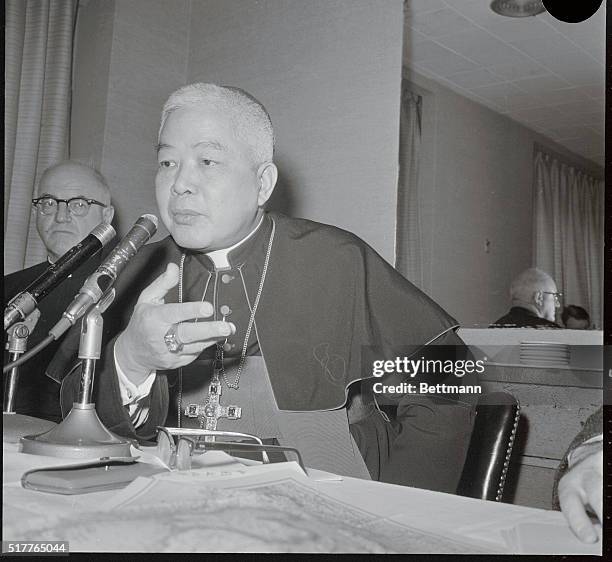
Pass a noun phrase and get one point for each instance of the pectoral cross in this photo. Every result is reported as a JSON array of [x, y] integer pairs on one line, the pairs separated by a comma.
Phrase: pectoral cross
[[212, 410]]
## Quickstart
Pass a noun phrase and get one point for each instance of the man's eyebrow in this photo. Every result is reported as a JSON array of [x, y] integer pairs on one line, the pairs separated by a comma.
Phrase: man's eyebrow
[[211, 144], [206, 144]]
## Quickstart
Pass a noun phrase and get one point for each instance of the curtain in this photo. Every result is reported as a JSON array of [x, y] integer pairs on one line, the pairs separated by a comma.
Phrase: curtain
[[569, 231], [38, 65], [408, 253]]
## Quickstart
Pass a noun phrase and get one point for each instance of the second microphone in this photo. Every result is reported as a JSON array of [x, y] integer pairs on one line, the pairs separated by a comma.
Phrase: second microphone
[[103, 278]]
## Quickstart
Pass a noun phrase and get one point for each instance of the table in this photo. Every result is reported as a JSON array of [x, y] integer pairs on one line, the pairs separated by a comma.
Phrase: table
[[262, 499]]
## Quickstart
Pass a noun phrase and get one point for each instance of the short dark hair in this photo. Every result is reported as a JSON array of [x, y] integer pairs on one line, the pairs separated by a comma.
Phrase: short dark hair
[[574, 311]]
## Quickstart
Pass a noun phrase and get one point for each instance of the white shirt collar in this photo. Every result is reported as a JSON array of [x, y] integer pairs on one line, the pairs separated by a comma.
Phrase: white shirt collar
[[219, 257]]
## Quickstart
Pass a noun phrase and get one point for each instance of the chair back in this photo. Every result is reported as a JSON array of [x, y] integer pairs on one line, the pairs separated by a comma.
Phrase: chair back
[[488, 457]]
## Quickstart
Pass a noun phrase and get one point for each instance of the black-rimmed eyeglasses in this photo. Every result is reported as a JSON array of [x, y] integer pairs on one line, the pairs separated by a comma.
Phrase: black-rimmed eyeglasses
[[77, 206], [557, 296]]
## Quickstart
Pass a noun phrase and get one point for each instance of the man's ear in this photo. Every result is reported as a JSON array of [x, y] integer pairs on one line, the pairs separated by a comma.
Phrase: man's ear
[[108, 213], [538, 298], [267, 174]]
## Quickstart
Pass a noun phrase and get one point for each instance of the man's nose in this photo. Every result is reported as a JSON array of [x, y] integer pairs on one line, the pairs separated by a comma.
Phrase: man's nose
[[183, 180], [62, 214]]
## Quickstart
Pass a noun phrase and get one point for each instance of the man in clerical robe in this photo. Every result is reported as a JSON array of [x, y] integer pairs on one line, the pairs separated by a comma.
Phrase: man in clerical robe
[[72, 200], [251, 321]]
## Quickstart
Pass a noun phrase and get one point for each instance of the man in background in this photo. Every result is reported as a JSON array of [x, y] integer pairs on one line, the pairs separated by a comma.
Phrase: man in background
[[575, 318], [72, 200], [534, 301]]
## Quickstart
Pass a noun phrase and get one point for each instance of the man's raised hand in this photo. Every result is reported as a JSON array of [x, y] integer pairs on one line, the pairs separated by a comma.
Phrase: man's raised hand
[[141, 348]]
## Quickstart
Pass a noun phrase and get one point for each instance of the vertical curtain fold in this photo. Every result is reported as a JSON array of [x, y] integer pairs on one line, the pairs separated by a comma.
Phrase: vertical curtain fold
[[408, 252], [569, 217], [38, 64]]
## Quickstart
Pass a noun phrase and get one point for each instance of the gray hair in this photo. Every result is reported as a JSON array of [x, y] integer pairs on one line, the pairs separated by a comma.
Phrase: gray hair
[[249, 117], [528, 282], [87, 167]]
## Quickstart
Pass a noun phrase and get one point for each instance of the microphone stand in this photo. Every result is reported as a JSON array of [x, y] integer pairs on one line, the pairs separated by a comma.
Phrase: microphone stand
[[82, 435], [16, 425], [16, 345]]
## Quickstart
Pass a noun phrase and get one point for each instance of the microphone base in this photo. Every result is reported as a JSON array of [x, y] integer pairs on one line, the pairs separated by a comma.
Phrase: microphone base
[[80, 436], [15, 426]]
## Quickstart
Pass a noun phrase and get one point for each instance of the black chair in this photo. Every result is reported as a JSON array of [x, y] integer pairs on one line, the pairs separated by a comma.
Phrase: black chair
[[488, 457]]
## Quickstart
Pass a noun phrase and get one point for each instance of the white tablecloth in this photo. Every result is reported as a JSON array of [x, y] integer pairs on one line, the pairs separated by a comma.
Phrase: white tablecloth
[[487, 526]]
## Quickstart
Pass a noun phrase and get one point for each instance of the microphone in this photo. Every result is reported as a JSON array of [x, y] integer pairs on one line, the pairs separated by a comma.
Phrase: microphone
[[25, 302], [101, 279]]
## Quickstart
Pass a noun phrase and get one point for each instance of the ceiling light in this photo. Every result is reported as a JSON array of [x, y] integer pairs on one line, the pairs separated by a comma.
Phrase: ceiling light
[[518, 8]]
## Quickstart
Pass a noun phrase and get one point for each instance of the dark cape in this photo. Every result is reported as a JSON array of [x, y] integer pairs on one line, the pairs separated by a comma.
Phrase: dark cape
[[38, 395], [519, 317], [325, 290]]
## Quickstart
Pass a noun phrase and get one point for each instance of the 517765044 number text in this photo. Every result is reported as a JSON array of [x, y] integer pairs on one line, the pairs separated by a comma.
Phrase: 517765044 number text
[[36, 548]]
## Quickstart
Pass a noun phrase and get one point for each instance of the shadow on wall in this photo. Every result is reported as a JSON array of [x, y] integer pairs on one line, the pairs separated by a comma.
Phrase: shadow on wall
[[283, 198], [117, 224]]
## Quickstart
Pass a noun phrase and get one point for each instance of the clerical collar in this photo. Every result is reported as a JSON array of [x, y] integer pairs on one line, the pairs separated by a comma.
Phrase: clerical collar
[[220, 258]]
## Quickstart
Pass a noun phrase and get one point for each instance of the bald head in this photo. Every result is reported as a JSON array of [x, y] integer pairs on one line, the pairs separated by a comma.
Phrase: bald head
[[534, 289], [61, 228], [87, 177]]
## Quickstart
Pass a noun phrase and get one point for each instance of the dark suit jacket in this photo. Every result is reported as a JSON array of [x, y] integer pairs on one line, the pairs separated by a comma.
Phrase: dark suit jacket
[[519, 317], [38, 395]]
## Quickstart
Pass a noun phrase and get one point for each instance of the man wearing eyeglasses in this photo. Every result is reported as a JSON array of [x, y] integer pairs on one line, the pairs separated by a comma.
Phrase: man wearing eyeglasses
[[72, 199], [535, 300]]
